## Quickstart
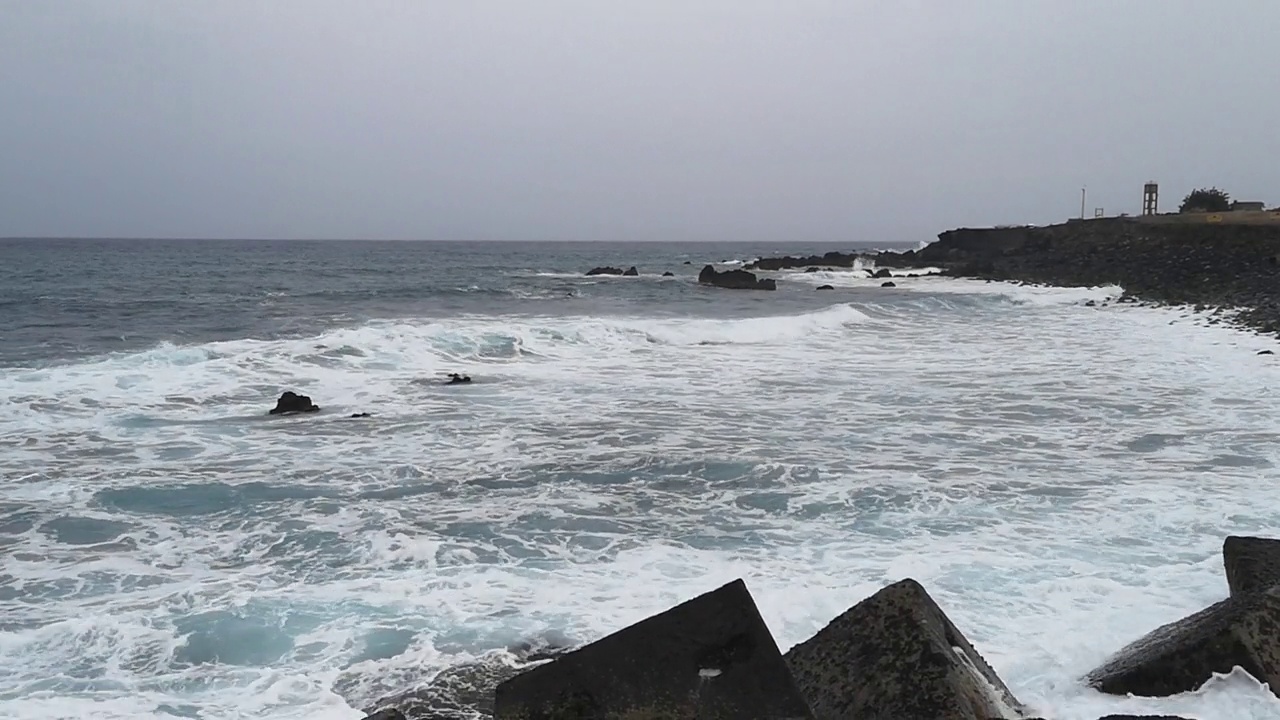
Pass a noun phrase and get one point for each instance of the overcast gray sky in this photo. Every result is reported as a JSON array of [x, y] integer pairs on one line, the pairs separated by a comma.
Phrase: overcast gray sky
[[853, 120]]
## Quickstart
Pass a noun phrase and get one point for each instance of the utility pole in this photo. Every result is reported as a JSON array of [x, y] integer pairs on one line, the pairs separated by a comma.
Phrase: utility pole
[[1082, 202]]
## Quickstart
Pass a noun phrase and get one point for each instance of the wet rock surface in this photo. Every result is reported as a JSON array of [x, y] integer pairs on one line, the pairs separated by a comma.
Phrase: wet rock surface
[[291, 402], [1243, 631], [897, 655], [735, 279], [1252, 563]]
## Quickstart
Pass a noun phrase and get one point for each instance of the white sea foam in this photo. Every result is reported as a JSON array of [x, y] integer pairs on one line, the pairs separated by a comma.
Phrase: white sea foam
[[1059, 477]]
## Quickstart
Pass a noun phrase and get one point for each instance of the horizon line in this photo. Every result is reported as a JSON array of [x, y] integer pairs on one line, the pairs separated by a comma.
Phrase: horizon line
[[10, 238]]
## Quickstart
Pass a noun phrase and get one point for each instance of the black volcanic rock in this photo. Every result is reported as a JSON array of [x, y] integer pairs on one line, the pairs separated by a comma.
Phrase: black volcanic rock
[[631, 271], [897, 655], [709, 657], [735, 279], [291, 402], [1226, 266], [826, 287], [831, 259], [888, 283], [606, 270], [1252, 563], [668, 274], [1242, 630], [882, 273]]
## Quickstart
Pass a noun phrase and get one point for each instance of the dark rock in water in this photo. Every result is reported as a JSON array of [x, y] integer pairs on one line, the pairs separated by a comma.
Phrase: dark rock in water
[[826, 287], [456, 379], [688, 262], [1090, 303], [735, 279], [607, 270], [386, 714], [361, 415], [709, 657], [896, 655], [882, 273], [830, 259], [465, 691], [631, 271], [1252, 563], [1266, 352], [1242, 630], [889, 283], [668, 274], [291, 402], [812, 269]]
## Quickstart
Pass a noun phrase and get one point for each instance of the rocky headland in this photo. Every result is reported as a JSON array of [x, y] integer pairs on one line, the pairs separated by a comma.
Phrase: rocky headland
[[1233, 267]]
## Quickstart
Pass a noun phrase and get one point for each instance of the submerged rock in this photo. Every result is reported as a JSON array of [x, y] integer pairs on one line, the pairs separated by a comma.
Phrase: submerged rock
[[291, 402], [735, 279], [709, 657], [1252, 564], [826, 287], [668, 274], [897, 655], [456, 379], [889, 283], [1266, 352], [1242, 630]]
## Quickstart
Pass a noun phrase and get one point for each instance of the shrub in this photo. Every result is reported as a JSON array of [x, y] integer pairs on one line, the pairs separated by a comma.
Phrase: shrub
[[1206, 200]]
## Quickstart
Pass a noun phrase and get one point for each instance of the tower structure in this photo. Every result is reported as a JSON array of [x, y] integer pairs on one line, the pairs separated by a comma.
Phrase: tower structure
[[1150, 198]]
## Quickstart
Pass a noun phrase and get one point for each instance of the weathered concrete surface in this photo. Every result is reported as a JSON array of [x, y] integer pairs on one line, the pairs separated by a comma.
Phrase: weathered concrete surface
[[896, 655], [1252, 563], [708, 658], [1240, 631]]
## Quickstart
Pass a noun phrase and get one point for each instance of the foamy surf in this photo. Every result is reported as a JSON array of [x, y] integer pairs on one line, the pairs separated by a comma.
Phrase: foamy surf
[[1059, 477]]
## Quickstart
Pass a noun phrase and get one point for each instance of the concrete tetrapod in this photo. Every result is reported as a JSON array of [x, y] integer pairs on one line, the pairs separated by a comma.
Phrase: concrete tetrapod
[[896, 655], [709, 658]]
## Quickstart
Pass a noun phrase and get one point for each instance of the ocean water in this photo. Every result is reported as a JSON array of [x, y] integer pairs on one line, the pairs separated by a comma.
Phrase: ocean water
[[1060, 477]]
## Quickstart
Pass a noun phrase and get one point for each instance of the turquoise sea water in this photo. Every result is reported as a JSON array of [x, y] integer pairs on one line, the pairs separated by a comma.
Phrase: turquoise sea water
[[1060, 477]]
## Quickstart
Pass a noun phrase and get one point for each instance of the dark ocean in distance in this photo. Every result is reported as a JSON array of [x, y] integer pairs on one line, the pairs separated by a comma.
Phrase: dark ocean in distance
[[1059, 476], [73, 298]]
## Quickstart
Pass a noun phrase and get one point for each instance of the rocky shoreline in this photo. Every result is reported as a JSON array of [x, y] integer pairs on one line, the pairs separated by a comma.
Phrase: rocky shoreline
[[894, 654], [1234, 268]]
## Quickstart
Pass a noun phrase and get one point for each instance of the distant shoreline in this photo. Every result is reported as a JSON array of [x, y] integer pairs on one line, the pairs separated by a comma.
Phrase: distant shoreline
[[1231, 268]]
